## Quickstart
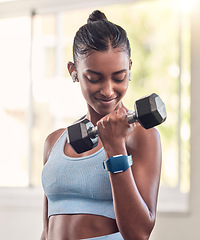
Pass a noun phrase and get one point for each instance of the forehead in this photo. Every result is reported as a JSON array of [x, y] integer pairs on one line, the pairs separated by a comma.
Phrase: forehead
[[112, 60]]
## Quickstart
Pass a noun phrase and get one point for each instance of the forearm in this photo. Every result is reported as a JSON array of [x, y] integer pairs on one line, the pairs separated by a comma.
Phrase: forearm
[[134, 219], [45, 220], [134, 190]]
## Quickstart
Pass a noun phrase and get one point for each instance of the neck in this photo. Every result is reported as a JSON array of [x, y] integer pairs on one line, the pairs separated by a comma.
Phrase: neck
[[93, 116]]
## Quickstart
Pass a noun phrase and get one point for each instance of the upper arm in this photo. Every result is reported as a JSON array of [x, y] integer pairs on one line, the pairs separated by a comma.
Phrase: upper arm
[[48, 145], [145, 148]]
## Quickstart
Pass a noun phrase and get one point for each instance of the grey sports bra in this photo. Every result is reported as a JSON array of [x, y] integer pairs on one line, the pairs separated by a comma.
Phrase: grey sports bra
[[77, 185]]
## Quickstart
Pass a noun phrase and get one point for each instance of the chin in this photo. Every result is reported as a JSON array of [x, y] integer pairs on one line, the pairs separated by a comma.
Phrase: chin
[[104, 112]]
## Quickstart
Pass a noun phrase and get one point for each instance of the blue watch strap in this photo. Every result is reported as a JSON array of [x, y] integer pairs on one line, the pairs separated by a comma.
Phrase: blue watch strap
[[118, 163]]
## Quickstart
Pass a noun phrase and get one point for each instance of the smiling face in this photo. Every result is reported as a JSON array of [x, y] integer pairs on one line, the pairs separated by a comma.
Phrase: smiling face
[[104, 78]]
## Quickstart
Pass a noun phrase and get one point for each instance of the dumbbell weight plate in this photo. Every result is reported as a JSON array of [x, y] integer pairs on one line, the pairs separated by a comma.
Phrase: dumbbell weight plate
[[78, 137]]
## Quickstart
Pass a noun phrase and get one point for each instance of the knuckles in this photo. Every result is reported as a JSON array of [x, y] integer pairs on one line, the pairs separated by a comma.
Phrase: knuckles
[[114, 118]]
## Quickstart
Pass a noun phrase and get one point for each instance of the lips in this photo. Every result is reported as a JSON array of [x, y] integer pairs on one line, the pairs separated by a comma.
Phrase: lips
[[106, 102]]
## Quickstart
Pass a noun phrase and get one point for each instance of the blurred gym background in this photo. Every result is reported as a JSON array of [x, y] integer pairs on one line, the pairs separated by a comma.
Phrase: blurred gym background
[[35, 91]]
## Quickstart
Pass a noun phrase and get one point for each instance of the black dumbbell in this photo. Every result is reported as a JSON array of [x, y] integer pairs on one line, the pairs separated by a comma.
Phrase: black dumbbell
[[149, 112]]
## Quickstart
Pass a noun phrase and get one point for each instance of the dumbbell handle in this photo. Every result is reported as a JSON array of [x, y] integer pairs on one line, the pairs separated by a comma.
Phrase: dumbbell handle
[[131, 117]]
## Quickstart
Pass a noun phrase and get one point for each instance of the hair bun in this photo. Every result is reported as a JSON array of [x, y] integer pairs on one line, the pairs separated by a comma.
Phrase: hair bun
[[96, 16]]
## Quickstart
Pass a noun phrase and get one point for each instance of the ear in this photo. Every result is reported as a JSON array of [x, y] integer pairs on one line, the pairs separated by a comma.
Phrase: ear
[[71, 67], [130, 64]]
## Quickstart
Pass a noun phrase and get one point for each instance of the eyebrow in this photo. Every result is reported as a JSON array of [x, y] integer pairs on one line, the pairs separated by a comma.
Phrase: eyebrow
[[94, 72], [98, 73], [121, 71]]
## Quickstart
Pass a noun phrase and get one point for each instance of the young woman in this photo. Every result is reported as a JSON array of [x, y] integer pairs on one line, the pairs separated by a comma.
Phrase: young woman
[[82, 199]]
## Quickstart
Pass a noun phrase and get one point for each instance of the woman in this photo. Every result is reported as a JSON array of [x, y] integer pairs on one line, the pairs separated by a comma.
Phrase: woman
[[82, 199]]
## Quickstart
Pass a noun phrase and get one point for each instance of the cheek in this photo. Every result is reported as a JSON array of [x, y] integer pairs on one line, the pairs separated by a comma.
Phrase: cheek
[[123, 89]]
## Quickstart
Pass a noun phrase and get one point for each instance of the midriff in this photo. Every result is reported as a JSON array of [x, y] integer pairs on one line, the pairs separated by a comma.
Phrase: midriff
[[80, 226]]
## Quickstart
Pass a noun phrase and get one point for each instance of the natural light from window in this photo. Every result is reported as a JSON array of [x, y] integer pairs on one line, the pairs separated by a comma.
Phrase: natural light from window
[[161, 64]]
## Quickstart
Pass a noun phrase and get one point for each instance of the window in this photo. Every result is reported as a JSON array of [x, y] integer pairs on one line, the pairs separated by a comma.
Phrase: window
[[160, 37], [14, 103]]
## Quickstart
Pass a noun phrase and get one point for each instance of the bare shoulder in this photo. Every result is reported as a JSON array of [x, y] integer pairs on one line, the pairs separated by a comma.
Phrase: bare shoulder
[[50, 141]]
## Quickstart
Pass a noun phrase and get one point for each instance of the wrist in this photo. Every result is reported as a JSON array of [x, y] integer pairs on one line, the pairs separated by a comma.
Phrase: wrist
[[115, 153], [115, 150]]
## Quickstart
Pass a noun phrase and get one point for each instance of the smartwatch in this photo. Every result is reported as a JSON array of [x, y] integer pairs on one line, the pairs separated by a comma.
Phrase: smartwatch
[[118, 163]]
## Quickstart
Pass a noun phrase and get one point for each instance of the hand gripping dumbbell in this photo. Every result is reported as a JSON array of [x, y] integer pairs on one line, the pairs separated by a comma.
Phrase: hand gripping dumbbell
[[149, 112]]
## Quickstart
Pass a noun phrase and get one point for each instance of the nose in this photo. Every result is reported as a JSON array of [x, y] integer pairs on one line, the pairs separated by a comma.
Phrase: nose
[[107, 89]]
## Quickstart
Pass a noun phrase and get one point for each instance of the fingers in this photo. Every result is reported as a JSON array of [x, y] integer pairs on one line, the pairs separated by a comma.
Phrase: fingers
[[117, 115], [120, 114], [114, 127], [102, 123]]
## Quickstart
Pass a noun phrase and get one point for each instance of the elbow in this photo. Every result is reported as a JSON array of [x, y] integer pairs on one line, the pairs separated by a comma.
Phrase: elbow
[[146, 230], [43, 236], [140, 232], [138, 235]]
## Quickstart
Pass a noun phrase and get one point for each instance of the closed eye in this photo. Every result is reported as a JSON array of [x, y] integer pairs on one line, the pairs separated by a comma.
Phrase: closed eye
[[93, 80], [119, 80], [119, 77], [93, 76]]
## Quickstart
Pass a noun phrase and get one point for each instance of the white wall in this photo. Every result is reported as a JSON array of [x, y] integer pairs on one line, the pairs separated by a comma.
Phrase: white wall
[[21, 210]]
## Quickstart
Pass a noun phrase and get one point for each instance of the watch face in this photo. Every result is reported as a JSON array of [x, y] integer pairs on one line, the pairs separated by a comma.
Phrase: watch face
[[117, 164]]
